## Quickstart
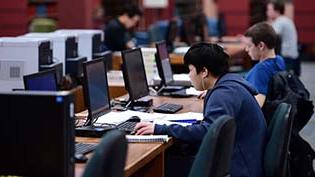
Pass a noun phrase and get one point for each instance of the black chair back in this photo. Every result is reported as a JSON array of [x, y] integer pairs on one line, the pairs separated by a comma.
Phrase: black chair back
[[109, 157], [277, 148], [215, 153]]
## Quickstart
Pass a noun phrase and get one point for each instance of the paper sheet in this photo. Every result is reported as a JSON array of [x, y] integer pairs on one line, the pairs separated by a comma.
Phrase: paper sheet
[[118, 117]]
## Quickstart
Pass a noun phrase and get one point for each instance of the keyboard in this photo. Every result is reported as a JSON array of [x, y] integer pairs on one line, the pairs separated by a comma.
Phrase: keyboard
[[84, 148], [168, 108], [129, 125]]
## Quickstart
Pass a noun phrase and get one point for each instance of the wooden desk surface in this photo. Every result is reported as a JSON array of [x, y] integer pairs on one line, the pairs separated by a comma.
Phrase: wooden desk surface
[[147, 159], [138, 156], [234, 49], [192, 104]]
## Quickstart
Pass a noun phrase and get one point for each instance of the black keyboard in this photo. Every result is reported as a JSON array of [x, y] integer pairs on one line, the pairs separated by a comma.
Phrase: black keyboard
[[129, 125], [168, 108], [84, 148]]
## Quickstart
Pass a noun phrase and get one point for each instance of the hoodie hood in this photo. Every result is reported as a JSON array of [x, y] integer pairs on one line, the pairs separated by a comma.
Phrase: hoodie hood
[[229, 79]]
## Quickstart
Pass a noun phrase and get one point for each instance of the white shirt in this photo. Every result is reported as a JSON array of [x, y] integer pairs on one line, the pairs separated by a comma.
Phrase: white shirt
[[285, 28]]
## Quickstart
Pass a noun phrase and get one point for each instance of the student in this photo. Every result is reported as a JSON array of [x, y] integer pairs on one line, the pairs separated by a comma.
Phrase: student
[[228, 94], [260, 41], [286, 30], [117, 36]]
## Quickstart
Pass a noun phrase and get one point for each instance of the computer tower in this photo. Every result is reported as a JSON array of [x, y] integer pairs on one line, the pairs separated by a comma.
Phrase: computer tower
[[65, 49], [89, 41], [22, 56], [58, 45], [37, 134]]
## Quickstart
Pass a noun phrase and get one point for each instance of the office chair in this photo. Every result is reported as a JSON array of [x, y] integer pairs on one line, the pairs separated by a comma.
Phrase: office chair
[[215, 153], [109, 157], [277, 148]]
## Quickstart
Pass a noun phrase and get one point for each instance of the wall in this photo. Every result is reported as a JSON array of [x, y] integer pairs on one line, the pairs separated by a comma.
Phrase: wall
[[75, 13], [13, 17], [303, 16], [236, 15]]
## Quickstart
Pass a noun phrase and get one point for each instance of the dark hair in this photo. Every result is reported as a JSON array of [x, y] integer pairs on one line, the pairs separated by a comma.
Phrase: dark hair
[[131, 10], [278, 6], [210, 56], [262, 32]]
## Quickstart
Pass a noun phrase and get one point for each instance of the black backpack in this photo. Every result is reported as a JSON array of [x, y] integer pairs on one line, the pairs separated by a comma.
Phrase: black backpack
[[287, 87]]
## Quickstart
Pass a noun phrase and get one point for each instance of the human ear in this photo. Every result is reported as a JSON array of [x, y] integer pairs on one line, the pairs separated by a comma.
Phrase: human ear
[[204, 72], [261, 45]]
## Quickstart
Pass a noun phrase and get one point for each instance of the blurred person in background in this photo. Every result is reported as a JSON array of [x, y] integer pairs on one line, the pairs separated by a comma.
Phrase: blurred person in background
[[286, 30], [117, 34]]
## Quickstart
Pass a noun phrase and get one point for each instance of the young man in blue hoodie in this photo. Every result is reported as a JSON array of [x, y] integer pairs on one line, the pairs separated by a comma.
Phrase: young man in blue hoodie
[[228, 94], [260, 41]]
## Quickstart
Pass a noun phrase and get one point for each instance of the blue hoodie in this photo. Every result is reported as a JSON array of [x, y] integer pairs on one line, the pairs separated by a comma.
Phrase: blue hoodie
[[234, 96]]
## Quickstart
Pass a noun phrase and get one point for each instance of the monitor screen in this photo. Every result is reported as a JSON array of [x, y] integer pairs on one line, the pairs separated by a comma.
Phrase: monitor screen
[[163, 63], [41, 81], [96, 87], [134, 74], [37, 134]]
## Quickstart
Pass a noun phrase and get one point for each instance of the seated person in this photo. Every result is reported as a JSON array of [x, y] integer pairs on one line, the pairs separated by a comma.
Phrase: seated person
[[117, 35], [228, 94], [186, 30], [260, 41]]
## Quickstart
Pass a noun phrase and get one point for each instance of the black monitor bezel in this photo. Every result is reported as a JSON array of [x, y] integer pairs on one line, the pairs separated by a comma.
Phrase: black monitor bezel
[[103, 110], [158, 61], [39, 74], [132, 97]]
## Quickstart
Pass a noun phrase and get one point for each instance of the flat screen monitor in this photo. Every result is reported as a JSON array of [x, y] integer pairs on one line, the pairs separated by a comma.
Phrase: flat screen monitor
[[163, 63], [37, 134], [108, 58], [134, 74], [95, 87], [41, 81]]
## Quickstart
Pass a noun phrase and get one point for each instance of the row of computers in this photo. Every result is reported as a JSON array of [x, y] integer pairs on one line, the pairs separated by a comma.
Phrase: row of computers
[[95, 84], [37, 126]]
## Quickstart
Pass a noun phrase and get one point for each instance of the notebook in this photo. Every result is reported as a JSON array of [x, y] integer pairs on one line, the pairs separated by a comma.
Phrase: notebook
[[146, 138]]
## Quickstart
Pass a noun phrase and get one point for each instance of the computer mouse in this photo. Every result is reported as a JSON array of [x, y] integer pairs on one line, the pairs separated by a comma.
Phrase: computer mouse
[[134, 119], [80, 158]]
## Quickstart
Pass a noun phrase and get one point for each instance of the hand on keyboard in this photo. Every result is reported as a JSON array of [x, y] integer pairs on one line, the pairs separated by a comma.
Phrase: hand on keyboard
[[129, 125]]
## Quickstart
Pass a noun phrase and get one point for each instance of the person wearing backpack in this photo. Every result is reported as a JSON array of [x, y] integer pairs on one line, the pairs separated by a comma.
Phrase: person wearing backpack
[[260, 41]]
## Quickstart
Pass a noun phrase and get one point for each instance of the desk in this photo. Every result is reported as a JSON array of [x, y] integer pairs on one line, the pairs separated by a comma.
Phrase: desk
[[234, 49], [147, 159], [143, 159]]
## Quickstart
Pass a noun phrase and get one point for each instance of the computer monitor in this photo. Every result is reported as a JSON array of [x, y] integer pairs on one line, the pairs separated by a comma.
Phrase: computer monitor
[[41, 81], [107, 57], [37, 134], [134, 74], [95, 86], [163, 63]]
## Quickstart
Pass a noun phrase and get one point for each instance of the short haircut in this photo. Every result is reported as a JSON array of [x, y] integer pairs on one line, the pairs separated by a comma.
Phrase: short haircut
[[210, 56], [131, 10], [278, 6], [262, 32]]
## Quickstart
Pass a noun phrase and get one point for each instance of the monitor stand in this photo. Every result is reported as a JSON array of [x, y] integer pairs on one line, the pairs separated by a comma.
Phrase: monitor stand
[[167, 90], [143, 104]]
